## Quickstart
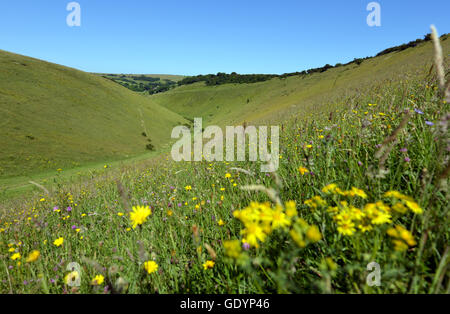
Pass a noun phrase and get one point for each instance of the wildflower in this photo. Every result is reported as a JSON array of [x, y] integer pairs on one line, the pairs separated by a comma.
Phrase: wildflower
[[71, 277], [365, 228], [253, 232], [150, 267], [16, 256], [279, 219], [298, 238], [169, 213], [33, 257], [11, 250], [402, 238], [418, 111], [414, 207], [228, 175], [120, 214], [208, 265], [329, 188], [221, 222], [313, 234], [98, 280], [246, 246], [188, 188], [346, 228], [429, 123], [359, 193], [303, 170], [58, 242], [139, 215], [291, 209]]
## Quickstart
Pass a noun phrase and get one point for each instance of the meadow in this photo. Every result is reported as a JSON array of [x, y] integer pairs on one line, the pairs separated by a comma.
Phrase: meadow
[[363, 178]]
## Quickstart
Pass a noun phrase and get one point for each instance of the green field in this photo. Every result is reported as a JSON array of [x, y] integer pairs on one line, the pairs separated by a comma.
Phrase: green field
[[363, 178], [54, 117]]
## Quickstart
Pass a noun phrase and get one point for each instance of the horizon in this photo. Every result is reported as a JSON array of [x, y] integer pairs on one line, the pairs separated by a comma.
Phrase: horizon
[[177, 38]]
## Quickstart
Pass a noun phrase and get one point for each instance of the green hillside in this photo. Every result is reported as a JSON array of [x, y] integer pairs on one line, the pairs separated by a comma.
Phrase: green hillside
[[279, 98], [55, 117]]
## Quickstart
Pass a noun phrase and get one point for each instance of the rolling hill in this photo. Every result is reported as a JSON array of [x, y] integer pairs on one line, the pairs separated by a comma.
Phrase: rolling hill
[[276, 99], [58, 117]]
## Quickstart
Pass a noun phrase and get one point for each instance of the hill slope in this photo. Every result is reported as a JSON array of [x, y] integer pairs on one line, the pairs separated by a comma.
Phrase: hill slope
[[57, 117], [280, 98]]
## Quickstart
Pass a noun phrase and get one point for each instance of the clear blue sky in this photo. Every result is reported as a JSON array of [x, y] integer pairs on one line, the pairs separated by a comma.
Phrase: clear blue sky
[[207, 36]]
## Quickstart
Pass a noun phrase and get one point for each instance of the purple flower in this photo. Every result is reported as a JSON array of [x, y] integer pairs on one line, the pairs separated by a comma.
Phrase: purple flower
[[55, 208], [429, 123], [179, 204], [360, 163], [74, 227], [69, 209], [407, 159], [418, 111], [25, 282], [404, 150], [378, 145], [246, 246]]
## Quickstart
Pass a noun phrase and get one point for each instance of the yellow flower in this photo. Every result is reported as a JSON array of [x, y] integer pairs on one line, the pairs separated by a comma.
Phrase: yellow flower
[[414, 207], [346, 228], [188, 188], [98, 280], [71, 277], [279, 219], [16, 256], [221, 222], [169, 213], [313, 234], [120, 214], [139, 215], [11, 250], [208, 265], [33, 257], [253, 233], [150, 267], [291, 209], [298, 239], [359, 192], [59, 242], [228, 176], [303, 170], [329, 188]]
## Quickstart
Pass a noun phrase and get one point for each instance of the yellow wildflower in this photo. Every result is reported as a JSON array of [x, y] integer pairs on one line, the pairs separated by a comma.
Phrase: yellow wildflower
[[150, 267], [139, 215]]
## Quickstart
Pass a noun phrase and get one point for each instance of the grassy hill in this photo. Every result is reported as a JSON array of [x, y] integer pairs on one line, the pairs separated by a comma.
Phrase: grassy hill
[[278, 98], [367, 184], [57, 117]]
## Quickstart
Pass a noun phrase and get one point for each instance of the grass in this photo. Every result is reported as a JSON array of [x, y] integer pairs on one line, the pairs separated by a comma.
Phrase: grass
[[390, 134], [58, 117]]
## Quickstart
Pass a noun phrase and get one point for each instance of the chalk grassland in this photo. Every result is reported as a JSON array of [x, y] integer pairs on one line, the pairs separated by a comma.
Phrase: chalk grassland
[[56, 117], [363, 178], [276, 99], [99, 122]]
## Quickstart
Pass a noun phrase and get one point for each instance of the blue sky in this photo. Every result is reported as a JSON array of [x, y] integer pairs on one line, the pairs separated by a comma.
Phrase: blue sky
[[193, 37]]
